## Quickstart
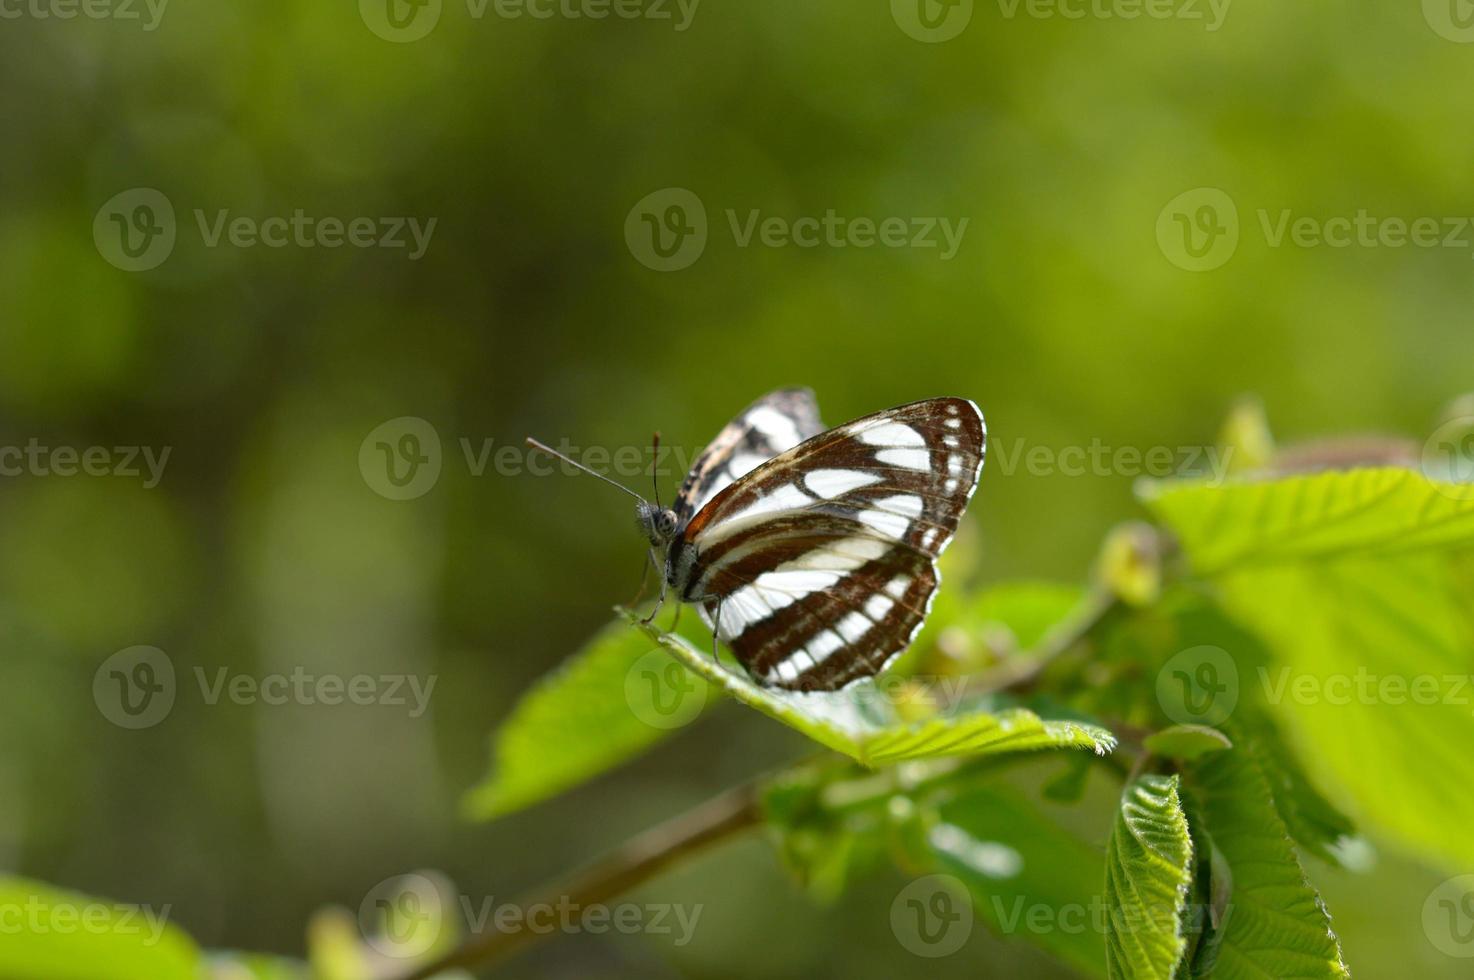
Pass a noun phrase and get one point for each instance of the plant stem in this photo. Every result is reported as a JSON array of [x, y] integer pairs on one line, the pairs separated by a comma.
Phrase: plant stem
[[636, 860], [1020, 672]]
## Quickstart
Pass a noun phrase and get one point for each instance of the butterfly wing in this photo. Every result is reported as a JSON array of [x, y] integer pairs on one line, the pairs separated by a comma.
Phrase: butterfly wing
[[773, 424], [820, 565]]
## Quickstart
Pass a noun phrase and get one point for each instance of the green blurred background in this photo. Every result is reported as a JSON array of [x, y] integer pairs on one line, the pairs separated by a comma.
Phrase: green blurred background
[[265, 548]]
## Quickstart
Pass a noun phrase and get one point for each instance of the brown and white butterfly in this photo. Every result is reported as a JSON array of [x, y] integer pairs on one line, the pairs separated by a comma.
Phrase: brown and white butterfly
[[812, 553]]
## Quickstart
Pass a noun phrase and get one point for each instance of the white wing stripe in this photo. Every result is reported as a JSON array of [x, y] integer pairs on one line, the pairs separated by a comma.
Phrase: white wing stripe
[[911, 459], [893, 434]]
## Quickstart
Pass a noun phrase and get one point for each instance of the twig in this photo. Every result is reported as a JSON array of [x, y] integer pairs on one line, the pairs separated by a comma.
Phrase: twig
[[637, 860], [1020, 672]]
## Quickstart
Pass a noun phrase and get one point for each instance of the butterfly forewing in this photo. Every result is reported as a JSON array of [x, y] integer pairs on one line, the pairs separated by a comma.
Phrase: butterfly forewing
[[773, 424], [819, 566]]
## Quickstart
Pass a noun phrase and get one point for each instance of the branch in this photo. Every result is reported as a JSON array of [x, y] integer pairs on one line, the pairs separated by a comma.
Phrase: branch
[[1020, 672], [636, 860]]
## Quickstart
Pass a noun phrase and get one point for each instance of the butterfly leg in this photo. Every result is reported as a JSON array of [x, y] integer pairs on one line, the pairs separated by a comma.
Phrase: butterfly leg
[[676, 619], [716, 629], [648, 564], [660, 601]]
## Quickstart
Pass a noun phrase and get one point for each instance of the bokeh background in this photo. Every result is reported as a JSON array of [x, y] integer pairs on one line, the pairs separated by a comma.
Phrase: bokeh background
[[265, 547]]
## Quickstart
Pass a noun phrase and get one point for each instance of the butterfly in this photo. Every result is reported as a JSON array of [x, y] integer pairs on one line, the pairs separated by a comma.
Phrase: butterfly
[[811, 553]]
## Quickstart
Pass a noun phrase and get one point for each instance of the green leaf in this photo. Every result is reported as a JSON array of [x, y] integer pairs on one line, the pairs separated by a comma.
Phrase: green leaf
[[1313, 822], [1186, 741], [858, 722], [1148, 871], [1030, 879], [1359, 584], [53, 934], [608, 703], [1275, 923], [1350, 513]]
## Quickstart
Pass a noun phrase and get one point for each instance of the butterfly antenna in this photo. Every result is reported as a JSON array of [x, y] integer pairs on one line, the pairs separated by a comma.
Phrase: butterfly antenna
[[655, 467], [575, 463]]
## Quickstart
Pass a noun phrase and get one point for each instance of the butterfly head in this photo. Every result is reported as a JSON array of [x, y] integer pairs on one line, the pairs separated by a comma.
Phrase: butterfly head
[[657, 523]]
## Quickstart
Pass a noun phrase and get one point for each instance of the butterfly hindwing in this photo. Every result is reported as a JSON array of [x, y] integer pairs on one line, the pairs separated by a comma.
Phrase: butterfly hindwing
[[773, 424], [818, 566]]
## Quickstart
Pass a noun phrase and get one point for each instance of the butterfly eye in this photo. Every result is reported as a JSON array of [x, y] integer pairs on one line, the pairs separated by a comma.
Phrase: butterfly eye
[[666, 522]]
